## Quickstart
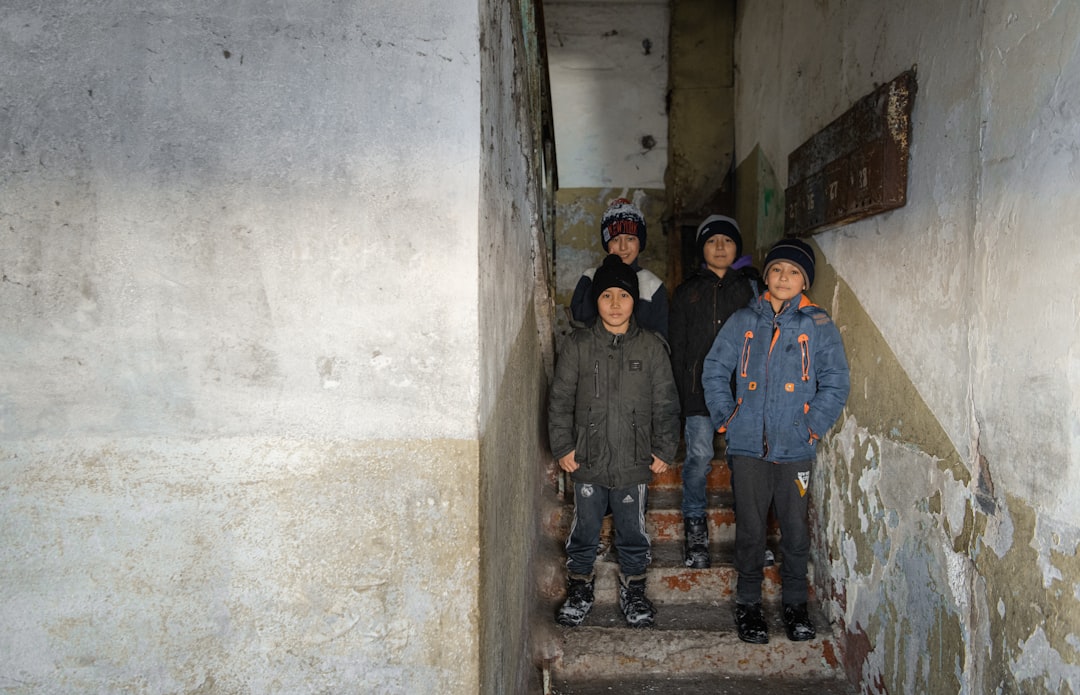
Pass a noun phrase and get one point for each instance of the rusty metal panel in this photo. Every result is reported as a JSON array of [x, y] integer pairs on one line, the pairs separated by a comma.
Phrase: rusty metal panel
[[856, 166]]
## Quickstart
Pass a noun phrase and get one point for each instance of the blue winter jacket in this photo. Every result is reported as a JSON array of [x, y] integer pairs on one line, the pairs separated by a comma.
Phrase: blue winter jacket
[[791, 379]]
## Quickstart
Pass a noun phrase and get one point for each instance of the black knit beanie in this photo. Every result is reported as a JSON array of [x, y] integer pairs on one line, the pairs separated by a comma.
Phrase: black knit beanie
[[614, 273], [719, 224]]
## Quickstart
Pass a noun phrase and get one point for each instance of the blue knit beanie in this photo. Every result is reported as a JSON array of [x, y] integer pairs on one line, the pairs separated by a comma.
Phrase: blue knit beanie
[[793, 251]]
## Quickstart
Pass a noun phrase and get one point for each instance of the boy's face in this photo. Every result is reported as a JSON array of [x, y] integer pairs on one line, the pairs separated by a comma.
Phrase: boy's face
[[719, 253], [784, 280], [626, 247], [615, 307]]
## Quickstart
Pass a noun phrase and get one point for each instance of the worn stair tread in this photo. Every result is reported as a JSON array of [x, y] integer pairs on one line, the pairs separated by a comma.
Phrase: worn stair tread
[[663, 520], [670, 553], [671, 498], [605, 647], [708, 617], [718, 684]]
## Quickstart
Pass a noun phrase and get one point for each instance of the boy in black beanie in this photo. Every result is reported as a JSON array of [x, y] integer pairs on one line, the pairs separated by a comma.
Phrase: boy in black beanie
[[613, 421]]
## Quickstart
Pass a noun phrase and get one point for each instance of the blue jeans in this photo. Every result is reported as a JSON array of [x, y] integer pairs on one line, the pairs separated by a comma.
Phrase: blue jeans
[[627, 505], [699, 455]]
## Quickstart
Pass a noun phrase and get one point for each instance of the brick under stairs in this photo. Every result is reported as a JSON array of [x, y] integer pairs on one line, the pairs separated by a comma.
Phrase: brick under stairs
[[693, 648]]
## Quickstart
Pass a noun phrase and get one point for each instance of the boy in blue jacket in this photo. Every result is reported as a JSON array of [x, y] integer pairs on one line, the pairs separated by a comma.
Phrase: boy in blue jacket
[[791, 380]]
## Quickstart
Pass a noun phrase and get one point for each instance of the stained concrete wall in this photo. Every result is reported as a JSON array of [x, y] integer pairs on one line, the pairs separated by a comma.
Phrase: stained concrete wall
[[702, 105], [515, 346], [947, 538], [241, 390]]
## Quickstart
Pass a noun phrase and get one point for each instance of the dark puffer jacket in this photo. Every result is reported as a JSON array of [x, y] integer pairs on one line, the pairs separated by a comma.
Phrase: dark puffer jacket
[[613, 402], [701, 305]]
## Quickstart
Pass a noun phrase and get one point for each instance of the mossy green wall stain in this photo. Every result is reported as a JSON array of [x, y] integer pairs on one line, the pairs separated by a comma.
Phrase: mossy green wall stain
[[1020, 608]]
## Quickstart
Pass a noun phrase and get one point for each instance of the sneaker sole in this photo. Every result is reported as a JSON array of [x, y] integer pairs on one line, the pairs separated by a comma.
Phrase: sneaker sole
[[648, 622]]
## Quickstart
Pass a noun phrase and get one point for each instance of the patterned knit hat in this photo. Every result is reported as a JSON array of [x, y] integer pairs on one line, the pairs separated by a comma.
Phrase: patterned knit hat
[[622, 217]]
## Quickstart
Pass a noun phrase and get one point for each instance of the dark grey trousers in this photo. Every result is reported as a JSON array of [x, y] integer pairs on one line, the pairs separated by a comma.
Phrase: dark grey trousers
[[757, 484]]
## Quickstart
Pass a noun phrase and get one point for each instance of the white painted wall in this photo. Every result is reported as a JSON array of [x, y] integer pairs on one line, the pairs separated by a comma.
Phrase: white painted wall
[[608, 91], [238, 346], [219, 245], [1026, 333]]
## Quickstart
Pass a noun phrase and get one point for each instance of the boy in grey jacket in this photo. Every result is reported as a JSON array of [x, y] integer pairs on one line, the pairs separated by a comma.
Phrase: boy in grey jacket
[[613, 421]]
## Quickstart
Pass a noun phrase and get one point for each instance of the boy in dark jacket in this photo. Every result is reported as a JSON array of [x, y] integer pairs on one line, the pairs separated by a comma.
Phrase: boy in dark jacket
[[701, 305], [613, 421], [791, 382]]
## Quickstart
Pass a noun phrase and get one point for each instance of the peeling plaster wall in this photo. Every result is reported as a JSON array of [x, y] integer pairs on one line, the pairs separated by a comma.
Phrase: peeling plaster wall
[[946, 532], [239, 395]]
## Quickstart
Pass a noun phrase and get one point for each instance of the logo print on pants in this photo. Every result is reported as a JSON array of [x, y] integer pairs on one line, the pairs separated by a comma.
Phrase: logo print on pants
[[586, 490], [803, 482]]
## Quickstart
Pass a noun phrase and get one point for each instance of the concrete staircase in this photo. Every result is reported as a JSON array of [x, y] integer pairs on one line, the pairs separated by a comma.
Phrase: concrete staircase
[[694, 647]]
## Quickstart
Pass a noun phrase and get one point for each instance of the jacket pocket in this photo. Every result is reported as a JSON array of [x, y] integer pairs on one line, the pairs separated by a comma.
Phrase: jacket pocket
[[642, 444], [586, 441]]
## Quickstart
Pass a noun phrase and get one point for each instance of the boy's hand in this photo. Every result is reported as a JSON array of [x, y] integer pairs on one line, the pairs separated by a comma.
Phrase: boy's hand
[[568, 463], [657, 465]]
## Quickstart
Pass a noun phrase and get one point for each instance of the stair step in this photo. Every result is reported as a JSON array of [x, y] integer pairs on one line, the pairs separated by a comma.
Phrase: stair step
[[719, 684], [670, 581], [719, 478], [687, 640], [663, 516]]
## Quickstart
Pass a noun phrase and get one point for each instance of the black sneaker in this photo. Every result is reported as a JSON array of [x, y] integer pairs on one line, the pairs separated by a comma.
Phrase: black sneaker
[[579, 599], [797, 622], [751, 623], [697, 543], [635, 606]]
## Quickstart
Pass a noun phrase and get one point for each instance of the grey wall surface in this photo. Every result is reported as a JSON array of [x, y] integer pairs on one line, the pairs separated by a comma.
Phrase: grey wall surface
[[239, 402], [515, 339], [948, 533]]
